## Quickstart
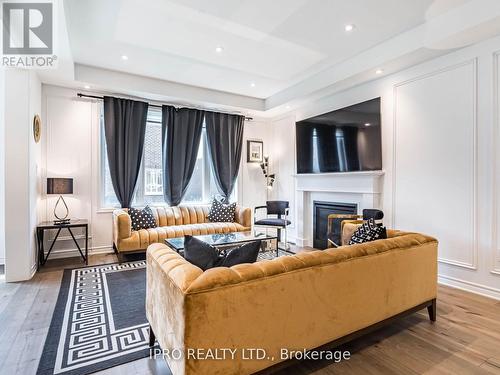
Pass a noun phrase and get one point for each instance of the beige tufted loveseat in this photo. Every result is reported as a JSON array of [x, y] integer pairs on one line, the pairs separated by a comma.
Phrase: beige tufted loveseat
[[173, 222]]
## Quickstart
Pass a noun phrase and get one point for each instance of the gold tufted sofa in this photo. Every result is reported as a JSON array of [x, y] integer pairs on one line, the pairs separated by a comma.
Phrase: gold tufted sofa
[[293, 302], [173, 222]]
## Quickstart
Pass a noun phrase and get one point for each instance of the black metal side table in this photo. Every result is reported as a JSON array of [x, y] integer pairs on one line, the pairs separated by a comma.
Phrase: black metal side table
[[48, 225]]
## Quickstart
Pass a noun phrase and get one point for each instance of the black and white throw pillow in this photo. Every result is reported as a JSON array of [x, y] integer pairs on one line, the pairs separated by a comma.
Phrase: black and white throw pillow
[[368, 231], [221, 212], [142, 219]]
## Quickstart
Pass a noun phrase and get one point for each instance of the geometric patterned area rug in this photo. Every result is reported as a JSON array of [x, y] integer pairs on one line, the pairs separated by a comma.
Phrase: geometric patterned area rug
[[271, 254], [99, 320]]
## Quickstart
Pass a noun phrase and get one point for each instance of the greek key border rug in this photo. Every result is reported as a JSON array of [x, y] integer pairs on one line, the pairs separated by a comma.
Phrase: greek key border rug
[[99, 320]]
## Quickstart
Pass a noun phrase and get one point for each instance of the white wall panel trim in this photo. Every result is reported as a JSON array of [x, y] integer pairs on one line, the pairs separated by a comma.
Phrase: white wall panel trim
[[495, 249], [473, 63], [73, 252], [469, 286]]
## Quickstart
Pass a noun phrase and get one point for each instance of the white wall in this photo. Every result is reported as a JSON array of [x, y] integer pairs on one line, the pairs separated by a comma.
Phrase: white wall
[[2, 166], [22, 157], [283, 155], [34, 166], [440, 124], [440, 134], [71, 148], [251, 182]]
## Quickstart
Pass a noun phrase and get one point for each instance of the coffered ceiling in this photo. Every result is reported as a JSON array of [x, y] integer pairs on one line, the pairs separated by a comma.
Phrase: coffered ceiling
[[268, 53]]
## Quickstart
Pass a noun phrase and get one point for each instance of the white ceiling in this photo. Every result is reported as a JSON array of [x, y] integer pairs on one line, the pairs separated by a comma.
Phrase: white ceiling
[[274, 44], [295, 51]]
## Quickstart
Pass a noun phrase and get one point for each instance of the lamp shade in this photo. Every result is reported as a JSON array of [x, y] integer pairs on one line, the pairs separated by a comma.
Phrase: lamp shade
[[59, 186]]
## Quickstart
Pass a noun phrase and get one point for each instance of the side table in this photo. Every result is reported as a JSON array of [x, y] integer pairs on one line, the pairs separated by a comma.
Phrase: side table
[[49, 225]]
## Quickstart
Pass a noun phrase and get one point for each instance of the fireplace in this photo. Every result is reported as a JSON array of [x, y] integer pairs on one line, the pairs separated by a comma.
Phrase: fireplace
[[361, 188], [321, 210]]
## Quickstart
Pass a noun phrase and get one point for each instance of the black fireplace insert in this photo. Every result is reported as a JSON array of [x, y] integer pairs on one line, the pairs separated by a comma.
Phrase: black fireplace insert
[[321, 210]]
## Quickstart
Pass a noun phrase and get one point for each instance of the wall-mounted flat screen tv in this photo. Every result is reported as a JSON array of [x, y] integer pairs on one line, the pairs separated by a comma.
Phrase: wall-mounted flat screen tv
[[345, 140]]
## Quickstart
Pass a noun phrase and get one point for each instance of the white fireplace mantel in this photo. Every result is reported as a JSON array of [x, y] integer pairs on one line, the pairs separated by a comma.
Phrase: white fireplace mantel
[[360, 188]]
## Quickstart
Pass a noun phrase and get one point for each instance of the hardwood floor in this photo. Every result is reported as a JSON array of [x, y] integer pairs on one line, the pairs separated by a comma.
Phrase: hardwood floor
[[464, 340]]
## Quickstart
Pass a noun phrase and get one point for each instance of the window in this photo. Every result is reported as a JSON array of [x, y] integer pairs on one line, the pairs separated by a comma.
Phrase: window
[[149, 189], [202, 186], [153, 181]]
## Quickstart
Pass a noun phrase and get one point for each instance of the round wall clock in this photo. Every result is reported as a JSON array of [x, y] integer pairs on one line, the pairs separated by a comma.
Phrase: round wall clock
[[37, 128]]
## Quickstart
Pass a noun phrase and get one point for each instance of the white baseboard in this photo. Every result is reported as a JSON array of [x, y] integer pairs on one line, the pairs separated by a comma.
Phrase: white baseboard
[[469, 286], [69, 253], [300, 241], [453, 282], [33, 270]]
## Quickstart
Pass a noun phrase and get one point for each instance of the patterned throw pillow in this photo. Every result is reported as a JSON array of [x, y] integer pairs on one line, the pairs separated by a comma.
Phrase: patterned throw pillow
[[142, 219], [221, 212], [368, 231]]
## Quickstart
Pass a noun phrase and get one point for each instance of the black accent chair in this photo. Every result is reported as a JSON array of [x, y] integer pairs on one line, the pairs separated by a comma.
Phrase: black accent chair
[[372, 213], [281, 210]]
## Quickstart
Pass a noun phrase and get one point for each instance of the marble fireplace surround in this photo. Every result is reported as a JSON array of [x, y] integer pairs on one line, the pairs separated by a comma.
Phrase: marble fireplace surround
[[361, 188]]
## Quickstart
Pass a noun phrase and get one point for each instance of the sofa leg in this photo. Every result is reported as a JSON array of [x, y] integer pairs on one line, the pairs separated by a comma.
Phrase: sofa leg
[[115, 249], [152, 337], [431, 309]]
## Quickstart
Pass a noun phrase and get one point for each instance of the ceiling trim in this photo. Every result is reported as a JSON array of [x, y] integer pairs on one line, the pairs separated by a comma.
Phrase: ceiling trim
[[474, 21], [470, 23], [157, 89]]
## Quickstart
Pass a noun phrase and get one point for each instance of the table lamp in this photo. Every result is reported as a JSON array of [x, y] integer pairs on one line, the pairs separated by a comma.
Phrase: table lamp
[[60, 186]]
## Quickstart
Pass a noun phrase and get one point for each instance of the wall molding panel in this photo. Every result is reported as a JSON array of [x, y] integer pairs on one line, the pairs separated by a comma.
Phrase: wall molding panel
[[467, 71], [495, 248], [68, 153]]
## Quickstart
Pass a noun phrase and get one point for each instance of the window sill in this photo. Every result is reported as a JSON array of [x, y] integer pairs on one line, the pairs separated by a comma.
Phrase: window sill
[[106, 210]]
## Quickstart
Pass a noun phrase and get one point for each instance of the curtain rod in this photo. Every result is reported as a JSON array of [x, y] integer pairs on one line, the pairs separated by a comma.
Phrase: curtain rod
[[80, 95]]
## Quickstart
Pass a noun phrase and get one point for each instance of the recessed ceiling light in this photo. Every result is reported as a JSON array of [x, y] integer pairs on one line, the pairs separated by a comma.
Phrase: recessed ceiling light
[[86, 87], [379, 71], [349, 27], [368, 124], [252, 84], [219, 49], [124, 57]]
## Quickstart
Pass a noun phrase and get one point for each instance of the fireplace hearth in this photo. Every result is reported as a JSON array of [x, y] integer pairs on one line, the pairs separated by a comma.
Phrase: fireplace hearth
[[321, 210]]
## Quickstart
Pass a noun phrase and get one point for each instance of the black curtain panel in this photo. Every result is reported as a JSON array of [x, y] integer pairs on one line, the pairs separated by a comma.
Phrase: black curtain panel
[[124, 129], [225, 140], [181, 133]]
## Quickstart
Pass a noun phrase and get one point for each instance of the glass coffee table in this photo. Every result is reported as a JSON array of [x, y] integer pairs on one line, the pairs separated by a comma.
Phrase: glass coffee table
[[223, 240]]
